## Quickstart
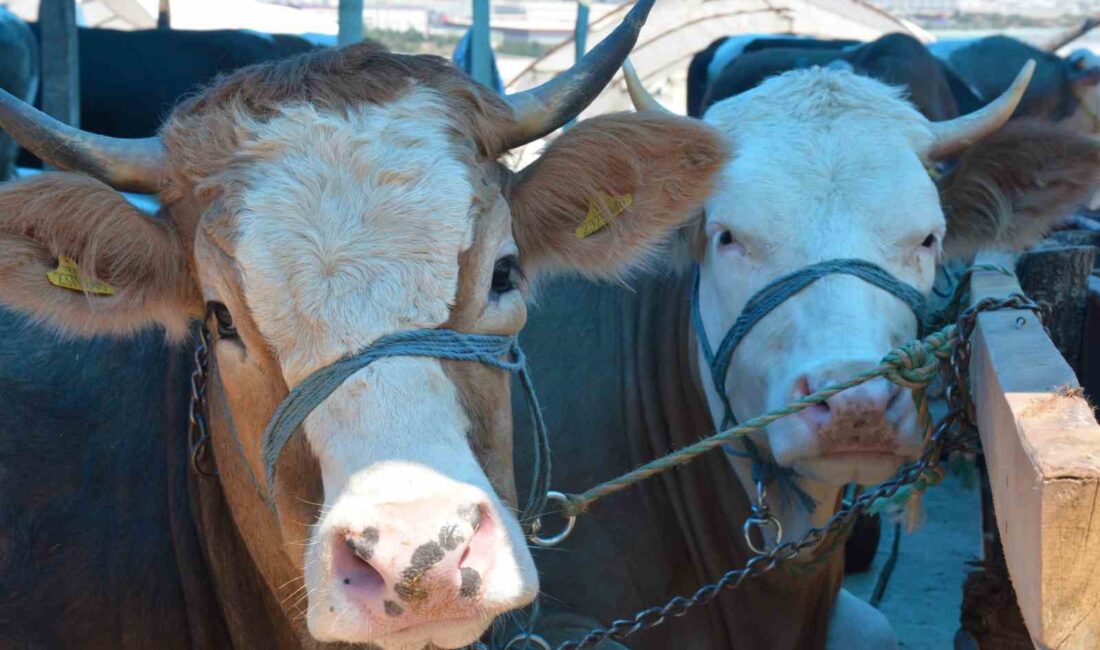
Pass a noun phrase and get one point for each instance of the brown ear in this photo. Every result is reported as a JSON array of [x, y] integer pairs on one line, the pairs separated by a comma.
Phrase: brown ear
[[133, 268], [1010, 188], [610, 190]]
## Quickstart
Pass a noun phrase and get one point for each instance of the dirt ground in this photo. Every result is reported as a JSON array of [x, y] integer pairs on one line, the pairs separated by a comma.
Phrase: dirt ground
[[925, 591]]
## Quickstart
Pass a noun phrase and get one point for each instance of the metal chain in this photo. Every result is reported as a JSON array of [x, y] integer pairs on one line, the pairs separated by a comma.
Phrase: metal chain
[[198, 436], [954, 432]]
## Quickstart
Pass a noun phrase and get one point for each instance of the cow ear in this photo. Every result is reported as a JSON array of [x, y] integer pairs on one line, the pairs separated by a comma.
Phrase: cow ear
[[1010, 188], [609, 191], [75, 255]]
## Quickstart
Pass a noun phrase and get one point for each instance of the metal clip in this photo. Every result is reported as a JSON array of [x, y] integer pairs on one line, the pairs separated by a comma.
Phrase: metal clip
[[761, 518], [553, 540]]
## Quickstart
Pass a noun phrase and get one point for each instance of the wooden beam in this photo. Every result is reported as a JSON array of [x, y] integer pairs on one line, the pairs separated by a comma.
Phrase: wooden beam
[[1042, 448], [480, 45], [350, 21], [60, 60]]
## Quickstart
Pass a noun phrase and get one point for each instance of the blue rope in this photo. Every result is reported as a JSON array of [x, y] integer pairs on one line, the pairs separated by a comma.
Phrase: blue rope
[[498, 351], [761, 304]]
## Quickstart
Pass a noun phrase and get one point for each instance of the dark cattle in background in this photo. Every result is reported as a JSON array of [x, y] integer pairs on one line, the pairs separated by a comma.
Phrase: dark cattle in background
[[18, 76], [988, 66], [699, 79], [129, 81], [896, 59]]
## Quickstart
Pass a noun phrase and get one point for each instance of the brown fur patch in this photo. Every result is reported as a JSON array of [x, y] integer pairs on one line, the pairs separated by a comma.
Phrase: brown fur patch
[[1011, 187], [204, 135], [667, 164], [76, 216]]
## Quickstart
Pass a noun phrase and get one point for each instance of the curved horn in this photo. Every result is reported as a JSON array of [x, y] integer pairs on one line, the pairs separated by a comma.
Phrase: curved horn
[[955, 135], [639, 96], [127, 165], [541, 110], [1065, 37]]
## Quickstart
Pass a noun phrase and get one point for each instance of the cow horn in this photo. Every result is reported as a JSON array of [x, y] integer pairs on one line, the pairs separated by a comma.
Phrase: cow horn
[[542, 110], [1071, 34], [643, 101], [128, 165], [955, 135]]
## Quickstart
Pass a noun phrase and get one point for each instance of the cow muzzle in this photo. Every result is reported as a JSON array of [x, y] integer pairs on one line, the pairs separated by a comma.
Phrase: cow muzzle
[[434, 569], [858, 435]]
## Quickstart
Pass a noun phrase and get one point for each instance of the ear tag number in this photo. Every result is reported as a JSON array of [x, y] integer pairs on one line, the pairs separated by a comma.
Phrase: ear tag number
[[602, 209], [67, 276]]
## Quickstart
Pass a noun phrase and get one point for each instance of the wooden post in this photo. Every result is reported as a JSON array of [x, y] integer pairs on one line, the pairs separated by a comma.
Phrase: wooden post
[[1059, 277], [1090, 363], [350, 20], [480, 45], [1076, 238], [60, 60], [1042, 447]]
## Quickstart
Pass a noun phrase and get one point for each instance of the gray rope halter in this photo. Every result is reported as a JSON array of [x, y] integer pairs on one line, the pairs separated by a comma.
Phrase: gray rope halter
[[498, 351], [761, 304]]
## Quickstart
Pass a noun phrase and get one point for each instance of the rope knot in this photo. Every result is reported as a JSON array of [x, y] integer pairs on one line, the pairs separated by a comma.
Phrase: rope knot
[[912, 365]]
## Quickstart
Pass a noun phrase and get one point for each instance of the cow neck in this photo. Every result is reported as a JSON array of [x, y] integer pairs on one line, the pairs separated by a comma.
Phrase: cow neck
[[713, 523], [253, 577]]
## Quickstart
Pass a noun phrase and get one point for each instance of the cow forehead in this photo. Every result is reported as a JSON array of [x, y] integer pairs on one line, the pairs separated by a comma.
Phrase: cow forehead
[[350, 227], [824, 152]]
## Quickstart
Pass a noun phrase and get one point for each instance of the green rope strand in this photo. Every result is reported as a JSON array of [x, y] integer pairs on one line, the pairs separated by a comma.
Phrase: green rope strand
[[913, 365]]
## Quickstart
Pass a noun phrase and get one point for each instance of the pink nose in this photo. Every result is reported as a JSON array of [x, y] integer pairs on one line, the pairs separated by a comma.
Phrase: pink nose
[[862, 419], [416, 568]]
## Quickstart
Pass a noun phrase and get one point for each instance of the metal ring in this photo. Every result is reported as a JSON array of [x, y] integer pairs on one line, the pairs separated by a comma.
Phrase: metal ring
[[554, 540], [528, 641], [762, 522]]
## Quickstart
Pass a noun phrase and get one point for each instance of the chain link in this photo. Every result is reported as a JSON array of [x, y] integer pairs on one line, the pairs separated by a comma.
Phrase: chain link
[[198, 436], [953, 433]]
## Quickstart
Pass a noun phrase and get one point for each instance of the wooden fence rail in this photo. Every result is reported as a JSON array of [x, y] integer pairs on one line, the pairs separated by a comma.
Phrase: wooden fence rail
[[1042, 448]]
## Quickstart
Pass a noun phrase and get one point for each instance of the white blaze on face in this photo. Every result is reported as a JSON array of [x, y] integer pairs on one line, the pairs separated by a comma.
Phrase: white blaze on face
[[352, 228], [827, 166]]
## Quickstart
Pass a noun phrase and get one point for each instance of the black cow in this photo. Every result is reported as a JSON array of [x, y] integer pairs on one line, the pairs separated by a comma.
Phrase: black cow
[[897, 59], [129, 81], [709, 63], [18, 76], [1062, 89]]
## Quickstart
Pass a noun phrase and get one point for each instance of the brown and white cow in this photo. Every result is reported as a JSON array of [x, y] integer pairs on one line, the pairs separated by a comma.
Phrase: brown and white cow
[[826, 165], [314, 205]]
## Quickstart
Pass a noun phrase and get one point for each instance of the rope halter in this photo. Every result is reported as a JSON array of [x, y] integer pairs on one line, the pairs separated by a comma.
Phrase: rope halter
[[912, 370]]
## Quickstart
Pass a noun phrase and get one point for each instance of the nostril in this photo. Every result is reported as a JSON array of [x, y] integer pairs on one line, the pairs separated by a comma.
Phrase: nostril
[[352, 557], [801, 387]]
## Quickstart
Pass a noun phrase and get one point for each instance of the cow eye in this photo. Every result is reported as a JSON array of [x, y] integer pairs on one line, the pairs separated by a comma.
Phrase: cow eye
[[929, 241], [506, 274], [226, 328], [725, 238]]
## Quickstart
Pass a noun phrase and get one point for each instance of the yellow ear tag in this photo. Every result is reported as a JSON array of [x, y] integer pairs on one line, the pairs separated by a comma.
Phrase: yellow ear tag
[[601, 210], [67, 276]]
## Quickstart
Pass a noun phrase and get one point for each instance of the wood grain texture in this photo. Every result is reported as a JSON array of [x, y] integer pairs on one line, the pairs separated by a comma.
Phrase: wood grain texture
[[1042, 447]]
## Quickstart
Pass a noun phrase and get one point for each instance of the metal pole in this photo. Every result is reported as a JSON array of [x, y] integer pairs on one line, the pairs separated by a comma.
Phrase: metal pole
[[351, 22], [164, 15], [480, 47], [60, 60], [580, 37], [580, 30]]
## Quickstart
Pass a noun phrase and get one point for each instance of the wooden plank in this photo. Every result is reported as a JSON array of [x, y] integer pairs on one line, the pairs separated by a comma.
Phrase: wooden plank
[[60, 60], [350, 22], [1042, 448]]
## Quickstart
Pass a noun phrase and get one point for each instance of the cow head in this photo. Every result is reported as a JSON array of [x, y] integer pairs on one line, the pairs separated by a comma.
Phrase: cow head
[[831, 165], [312, 206]]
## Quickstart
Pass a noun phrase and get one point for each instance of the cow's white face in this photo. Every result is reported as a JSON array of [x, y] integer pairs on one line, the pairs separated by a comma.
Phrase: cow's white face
[[348, 229], [827, 166]]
